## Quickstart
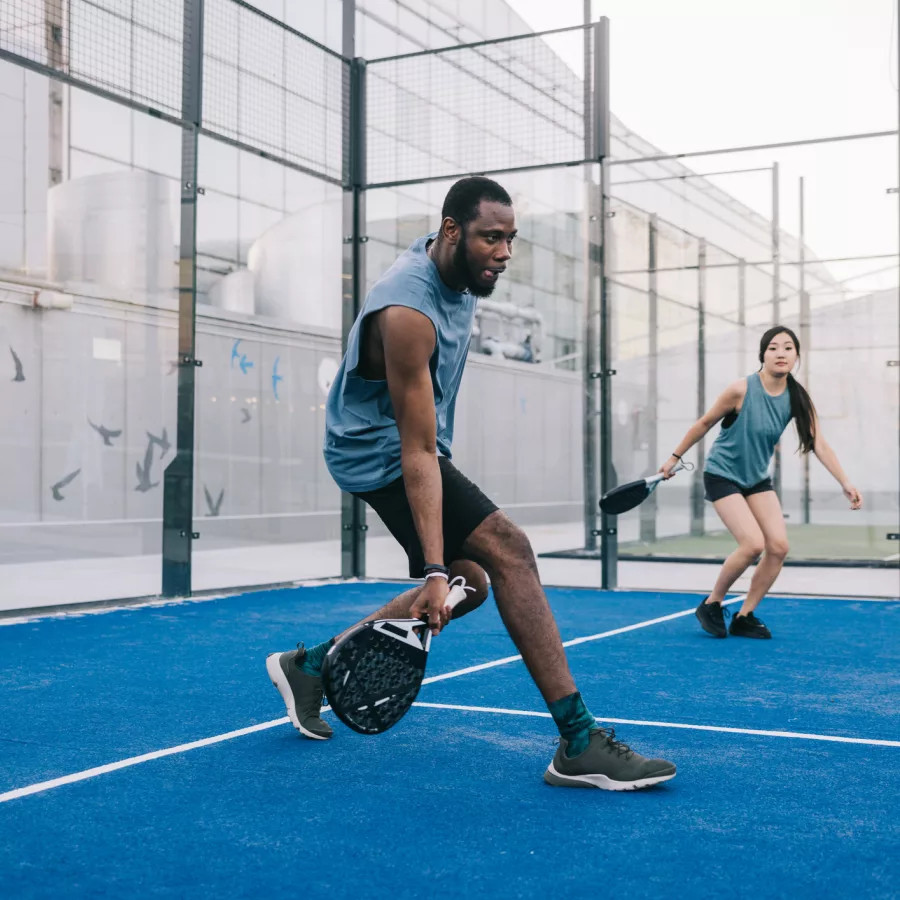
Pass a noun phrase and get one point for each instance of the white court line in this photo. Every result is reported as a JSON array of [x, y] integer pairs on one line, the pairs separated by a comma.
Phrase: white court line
[[574, 642], [60, 612], [782, 734], [206, 742], [136, 760], [183, 748]]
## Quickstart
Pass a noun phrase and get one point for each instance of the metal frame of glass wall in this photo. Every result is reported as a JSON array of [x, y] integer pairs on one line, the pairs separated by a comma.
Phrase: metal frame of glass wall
[[585, 145], [582, 141]]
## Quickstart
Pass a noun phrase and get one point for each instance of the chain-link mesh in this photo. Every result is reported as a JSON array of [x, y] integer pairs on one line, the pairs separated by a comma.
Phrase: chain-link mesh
[[270, 88], [129, 49], [505, 105]]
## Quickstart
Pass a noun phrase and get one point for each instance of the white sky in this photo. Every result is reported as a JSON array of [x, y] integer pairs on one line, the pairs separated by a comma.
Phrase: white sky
[[706, 74]]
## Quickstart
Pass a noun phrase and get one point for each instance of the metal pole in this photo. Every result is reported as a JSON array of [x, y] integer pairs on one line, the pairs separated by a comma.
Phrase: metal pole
[[178, 481], [776, 291], [649, 508], [804, 341], [609, 546], [697, 510], [353, 510], [609, 541], [742, 317], [832, 139], [590, 243], [55, 42], [776, 248]]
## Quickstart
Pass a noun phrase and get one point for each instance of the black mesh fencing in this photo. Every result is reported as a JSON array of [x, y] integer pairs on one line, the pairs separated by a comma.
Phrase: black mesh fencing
[[489, 107], [130, 50], [265, 86], [273, 89]]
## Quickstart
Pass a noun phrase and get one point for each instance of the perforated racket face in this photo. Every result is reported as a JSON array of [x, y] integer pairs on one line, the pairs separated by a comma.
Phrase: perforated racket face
[[373, 675]]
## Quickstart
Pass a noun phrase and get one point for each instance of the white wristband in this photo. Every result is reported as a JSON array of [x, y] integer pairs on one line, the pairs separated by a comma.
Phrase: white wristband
[[437, 575]]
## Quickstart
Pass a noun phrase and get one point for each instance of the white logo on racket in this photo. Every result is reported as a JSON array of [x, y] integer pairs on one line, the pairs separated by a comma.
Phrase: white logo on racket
[[401, 630]]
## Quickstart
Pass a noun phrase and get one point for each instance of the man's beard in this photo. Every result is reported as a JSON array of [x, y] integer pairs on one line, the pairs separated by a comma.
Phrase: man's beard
[[464, 273]]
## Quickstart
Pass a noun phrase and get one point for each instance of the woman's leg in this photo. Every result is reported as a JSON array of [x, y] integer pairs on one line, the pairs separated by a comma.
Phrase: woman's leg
[[738, 518], [768, 514]]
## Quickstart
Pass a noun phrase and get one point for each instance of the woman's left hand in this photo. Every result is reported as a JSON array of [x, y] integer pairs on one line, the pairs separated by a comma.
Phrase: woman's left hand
[[853, 495]]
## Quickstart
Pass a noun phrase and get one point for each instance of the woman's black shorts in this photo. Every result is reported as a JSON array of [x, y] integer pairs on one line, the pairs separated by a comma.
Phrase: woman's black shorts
[[718, 487]]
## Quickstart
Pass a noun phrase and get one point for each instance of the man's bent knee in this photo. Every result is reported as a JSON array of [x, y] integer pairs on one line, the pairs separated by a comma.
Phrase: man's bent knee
[[499, 543]]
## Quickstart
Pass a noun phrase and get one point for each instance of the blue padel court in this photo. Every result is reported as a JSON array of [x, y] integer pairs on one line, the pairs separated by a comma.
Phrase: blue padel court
[[146, 754]]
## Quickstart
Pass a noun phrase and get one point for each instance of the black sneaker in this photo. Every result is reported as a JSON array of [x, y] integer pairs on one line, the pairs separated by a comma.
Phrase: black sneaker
[[607, 764], [749, 626], [711, 617], [302, 693]]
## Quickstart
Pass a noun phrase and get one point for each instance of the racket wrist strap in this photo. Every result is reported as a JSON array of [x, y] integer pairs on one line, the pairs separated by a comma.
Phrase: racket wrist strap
[[677, 457], [443, 575]]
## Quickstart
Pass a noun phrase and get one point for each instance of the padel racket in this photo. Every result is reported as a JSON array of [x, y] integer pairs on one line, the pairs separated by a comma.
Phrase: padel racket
[[373, 674], [627, 496]]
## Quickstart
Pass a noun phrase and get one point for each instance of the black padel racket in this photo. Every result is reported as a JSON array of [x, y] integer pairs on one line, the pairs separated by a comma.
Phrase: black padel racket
[[373, 674], [627, 496]]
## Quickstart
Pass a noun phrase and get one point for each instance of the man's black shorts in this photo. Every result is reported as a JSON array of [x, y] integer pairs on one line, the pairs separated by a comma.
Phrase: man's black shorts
[[465, 508], [718, 487]]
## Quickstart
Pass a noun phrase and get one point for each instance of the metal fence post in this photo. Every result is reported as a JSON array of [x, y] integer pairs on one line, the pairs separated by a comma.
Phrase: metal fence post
[[178, 488], [609, 545], [650, 508], [776, 290], [353, 510], [590, 251], [742, 317], [804, 344], [591, 365], [697, 509]]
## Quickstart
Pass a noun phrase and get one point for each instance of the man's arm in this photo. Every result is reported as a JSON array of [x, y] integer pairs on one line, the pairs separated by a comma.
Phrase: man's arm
[[408, 338]]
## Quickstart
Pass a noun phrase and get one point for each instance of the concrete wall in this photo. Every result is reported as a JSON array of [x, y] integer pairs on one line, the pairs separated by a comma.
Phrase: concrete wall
[[260, 476]]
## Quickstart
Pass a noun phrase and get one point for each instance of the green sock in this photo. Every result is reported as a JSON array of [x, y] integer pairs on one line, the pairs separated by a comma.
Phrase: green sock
[[574, 721], [315, 656]]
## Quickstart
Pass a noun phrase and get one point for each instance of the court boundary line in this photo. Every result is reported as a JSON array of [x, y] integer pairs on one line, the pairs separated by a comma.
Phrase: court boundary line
[[797, 735], [574, 642], [95, 771], [28, 615]]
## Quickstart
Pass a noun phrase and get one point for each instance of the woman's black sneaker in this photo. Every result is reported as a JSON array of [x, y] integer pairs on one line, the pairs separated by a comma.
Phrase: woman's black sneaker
[[749, 626], [712, 618]]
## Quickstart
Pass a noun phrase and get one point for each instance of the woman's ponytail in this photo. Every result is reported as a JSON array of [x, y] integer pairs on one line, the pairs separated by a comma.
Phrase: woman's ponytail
[[803, 413]]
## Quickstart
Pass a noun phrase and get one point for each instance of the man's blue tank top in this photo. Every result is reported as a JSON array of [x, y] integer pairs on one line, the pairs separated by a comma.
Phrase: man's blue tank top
[[362, 441], [743, 451]]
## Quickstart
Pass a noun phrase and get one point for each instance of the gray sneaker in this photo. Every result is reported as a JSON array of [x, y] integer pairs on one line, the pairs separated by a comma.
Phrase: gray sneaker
[[607, 764], [302, 693]]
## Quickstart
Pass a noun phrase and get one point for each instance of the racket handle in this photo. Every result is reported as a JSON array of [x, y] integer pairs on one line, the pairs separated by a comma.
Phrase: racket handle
[[655, 479], [458, 588]]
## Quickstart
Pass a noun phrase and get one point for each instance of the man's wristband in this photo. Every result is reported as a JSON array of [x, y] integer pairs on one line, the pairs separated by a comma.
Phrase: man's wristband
[[434, 569]]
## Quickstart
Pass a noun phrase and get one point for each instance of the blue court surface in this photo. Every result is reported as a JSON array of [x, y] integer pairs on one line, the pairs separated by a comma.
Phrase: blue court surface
[[451, 802]]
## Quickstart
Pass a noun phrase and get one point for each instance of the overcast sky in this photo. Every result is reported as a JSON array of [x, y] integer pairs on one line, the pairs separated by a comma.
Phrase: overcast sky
[[706, 74]]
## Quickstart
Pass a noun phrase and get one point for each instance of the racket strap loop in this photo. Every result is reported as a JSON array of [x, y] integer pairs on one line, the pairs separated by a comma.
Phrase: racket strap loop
[[459, 581], [444, 575]]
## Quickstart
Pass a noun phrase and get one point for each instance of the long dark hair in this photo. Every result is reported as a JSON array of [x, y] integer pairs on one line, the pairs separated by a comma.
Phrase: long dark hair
[[802, 410]]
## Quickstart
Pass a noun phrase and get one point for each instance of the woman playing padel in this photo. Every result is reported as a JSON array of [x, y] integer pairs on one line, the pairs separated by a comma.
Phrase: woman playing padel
[[755, 412]]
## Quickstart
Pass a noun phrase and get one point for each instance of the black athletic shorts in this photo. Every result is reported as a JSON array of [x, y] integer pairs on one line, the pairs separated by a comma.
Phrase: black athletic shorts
[[465, 508], [718, 487]]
